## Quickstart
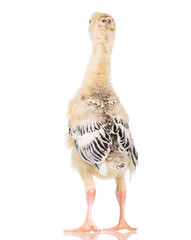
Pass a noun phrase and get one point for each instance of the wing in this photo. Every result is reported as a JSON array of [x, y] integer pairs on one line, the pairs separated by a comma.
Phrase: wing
[[125, 140], [92, 141]]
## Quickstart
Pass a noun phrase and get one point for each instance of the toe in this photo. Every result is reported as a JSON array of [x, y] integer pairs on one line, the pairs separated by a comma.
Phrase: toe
[[84, 228], [119, 226], [124, 225]]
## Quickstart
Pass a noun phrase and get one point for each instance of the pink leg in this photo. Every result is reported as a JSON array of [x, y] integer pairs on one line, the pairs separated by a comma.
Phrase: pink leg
[[88, 224], [121, 196]]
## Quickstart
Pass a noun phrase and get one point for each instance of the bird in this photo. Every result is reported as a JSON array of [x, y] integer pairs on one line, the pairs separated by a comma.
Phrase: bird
[[98, 126]]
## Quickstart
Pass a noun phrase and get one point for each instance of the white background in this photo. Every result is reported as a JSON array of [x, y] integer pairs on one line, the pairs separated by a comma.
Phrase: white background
[[44, 50]]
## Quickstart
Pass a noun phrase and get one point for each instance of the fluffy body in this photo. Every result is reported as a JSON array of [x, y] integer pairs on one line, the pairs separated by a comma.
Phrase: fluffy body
[[96, 102]]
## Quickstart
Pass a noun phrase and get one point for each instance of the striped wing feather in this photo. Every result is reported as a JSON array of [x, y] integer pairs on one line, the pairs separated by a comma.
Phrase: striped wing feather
[[125, 140], [92, 141]]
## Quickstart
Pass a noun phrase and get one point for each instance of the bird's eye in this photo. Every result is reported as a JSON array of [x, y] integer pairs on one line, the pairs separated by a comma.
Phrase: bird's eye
[[90, 21], [103, 21]]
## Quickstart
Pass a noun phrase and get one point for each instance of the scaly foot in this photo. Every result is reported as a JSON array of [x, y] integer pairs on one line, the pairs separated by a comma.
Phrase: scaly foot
[[86, 227], [121, 225]]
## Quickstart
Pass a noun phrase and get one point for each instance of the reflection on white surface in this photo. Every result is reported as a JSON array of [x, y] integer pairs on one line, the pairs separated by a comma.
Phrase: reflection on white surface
[[95, 236]]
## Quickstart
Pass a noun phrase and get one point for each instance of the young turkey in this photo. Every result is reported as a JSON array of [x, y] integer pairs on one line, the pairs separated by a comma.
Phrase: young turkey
[[99, 133]]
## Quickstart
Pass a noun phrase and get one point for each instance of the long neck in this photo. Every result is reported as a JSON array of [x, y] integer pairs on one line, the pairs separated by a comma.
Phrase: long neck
[[98, 70]]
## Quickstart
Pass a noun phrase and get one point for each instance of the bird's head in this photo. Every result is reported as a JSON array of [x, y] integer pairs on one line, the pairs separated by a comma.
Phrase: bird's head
[[102, 28]]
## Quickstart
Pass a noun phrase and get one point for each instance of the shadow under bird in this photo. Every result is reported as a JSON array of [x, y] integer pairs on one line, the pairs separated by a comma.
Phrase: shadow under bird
[[99, 134]]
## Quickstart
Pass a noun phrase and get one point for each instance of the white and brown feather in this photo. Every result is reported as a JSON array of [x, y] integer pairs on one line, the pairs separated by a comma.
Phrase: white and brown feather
[[97, 141]]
